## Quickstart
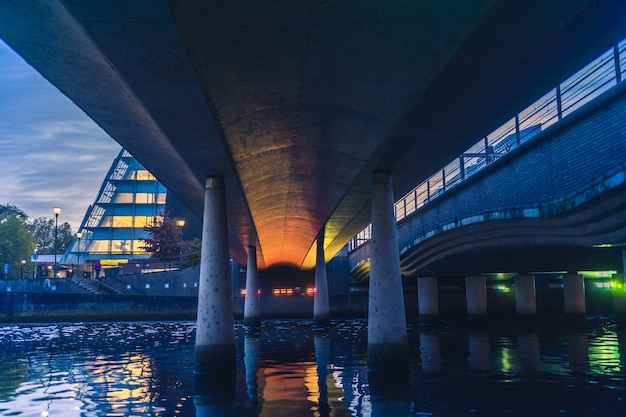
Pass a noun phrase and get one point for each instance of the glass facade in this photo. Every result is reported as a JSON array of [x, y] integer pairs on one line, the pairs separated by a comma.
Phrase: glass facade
[[130, 199]]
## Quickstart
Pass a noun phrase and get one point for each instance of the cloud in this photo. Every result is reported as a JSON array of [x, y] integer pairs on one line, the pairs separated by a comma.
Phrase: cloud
[[51, 153]]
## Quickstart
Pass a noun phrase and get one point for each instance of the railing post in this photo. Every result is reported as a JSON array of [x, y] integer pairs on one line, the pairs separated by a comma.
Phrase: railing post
[[559, 108], [428, 189], [404, 205], [443, 180], [518, 140], [618, 67], [462, 166], [486, 143]]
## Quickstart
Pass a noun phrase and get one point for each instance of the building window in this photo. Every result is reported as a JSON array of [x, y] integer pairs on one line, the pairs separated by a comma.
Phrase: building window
[[142, 175], [144, 198], [123, 198]]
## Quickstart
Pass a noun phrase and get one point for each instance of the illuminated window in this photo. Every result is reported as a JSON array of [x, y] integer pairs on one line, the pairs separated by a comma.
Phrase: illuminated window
[[99, 246], [138, 247], [141, 175], [120, 246], [143, 221], [122, 221], [123, 198], [144, 198], [161, 197], [282, 291]]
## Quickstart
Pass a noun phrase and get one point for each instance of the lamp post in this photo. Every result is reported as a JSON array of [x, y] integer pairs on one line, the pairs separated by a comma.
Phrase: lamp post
[[22, 268], [79, 235], [56, 211], [180, 223]]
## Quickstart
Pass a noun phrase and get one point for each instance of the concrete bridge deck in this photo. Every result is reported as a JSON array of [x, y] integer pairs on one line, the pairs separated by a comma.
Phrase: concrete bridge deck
[[557, 202]]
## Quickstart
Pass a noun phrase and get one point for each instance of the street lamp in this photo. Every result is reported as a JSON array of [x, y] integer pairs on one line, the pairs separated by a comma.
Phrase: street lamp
[[180, 223], [79, 235], [56, 211], [22, 268]]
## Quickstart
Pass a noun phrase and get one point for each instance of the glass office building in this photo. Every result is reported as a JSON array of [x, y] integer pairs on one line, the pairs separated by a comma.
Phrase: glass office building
[[130, 199]]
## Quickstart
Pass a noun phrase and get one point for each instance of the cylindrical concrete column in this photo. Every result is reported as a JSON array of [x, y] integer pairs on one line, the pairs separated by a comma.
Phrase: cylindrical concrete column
[[427, 297], [624, 266], [215, 340], [252, 308], [476, 295], [387, 340], [574, 294], [525, 295], [321, 306], [619, 295]]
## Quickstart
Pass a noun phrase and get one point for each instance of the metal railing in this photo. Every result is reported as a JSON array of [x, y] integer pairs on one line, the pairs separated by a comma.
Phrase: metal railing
[[594, 79]]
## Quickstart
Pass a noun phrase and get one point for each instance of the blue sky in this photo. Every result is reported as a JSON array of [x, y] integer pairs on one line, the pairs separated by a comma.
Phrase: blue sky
[[51, 153]]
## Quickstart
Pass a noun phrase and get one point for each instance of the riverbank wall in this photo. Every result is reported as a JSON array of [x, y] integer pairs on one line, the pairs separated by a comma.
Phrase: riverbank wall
[[73, 306]]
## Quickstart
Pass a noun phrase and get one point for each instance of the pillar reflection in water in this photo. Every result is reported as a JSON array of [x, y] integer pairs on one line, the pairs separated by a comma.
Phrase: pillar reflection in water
[[251, 346], [578, 351], [430, 352], [479, 351], [389, 395], [214, 395], [322, 353], [528, 351]]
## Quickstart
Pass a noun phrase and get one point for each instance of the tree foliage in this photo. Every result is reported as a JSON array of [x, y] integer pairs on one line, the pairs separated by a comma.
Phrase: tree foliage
[[43, 230], [10, 210], [16, 240], [191, 252], [163, 241]]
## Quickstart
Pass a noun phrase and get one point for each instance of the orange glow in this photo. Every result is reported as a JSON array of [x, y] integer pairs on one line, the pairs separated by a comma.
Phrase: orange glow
[[243, 291], [310, 291]]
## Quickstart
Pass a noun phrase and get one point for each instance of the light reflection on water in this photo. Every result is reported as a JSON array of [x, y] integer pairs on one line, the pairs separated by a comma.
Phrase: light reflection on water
[[287, 369]]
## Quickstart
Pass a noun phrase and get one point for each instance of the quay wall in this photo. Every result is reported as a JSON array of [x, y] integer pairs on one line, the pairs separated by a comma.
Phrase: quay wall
[[34, 307]]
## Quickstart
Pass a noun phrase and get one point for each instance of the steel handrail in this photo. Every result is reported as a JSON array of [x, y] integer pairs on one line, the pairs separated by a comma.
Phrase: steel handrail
[[593, 80]]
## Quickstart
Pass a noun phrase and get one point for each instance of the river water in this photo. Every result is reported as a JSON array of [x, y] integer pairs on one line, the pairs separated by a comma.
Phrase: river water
[[548, 368]]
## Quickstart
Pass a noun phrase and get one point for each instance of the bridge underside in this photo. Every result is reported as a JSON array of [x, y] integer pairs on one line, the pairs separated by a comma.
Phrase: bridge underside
[[296, 104]]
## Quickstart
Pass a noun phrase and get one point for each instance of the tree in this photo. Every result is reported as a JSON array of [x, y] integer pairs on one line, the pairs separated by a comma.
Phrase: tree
[[16, 241], [191, 252], [43, 230], [163, 241], [9, 210]]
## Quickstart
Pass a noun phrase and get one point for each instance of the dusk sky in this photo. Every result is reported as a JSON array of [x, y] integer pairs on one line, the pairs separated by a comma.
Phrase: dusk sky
[[51, 153]]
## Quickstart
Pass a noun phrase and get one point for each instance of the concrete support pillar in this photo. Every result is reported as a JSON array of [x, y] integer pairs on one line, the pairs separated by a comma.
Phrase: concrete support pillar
[[215, 339], [387, 343], [251, 308], [321, 306], [574, 294], [624, 266], [427, 297], [525, 295], [476, 295], [619, 293]]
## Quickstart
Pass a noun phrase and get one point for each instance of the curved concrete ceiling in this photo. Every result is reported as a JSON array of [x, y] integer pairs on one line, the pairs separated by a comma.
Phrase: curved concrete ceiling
[[297, 103]]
